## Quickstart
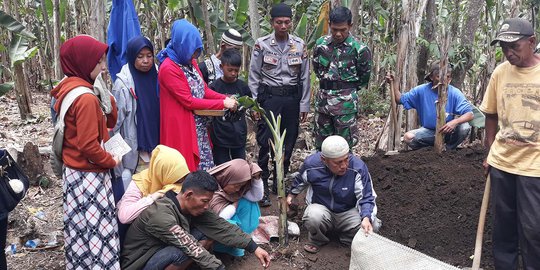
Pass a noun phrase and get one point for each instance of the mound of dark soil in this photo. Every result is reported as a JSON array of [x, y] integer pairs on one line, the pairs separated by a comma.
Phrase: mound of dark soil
[[427, 201], [431, 202]]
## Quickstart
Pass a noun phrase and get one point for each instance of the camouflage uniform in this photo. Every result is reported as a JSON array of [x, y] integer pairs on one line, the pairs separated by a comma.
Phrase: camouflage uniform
[[342, 69]]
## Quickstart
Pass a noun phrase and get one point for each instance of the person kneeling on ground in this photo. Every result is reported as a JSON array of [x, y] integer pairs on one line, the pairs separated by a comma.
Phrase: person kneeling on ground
[[349, 206], [423, 98], [167, 170], [241, 188], [174, 231]]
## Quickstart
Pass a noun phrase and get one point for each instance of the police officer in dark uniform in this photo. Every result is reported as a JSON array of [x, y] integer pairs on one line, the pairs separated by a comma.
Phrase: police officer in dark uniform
[[279, 79]]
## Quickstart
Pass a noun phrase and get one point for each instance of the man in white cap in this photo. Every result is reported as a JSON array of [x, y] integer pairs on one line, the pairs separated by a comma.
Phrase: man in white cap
[[210, 67], [340, 194], [512, 108]]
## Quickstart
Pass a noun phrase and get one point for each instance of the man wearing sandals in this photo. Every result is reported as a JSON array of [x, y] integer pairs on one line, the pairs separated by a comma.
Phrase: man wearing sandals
[[340, 194]]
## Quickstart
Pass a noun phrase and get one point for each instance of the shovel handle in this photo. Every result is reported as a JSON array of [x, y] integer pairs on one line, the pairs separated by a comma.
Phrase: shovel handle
[[480, 230]]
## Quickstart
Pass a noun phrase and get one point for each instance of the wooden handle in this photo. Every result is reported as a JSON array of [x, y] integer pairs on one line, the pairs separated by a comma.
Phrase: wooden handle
[[393, 106], [480, 230]]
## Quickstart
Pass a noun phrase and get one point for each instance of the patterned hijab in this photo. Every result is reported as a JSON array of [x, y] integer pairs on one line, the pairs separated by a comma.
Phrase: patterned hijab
[[167, 166], [75, 63], [229, 173], [185, 40]]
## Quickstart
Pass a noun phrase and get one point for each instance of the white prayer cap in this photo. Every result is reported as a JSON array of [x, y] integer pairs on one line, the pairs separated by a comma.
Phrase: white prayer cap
[[334, 147]]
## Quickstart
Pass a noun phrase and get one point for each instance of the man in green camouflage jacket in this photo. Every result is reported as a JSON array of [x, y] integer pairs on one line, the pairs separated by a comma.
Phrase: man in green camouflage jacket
[[343, 65]]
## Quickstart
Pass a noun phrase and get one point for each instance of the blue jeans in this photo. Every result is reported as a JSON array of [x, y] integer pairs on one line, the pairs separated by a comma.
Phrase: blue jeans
[[426, 137], [171, 255]]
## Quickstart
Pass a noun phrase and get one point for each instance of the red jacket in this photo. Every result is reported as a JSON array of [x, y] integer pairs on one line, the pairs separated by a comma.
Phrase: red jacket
[[177, 124]]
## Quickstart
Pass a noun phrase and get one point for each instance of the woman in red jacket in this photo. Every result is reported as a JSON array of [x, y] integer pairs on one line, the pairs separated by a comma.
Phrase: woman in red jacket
[[90, 226], [182, 90]]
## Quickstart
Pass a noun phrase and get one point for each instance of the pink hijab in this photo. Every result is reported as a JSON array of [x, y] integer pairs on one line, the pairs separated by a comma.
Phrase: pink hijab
[[230, 173]]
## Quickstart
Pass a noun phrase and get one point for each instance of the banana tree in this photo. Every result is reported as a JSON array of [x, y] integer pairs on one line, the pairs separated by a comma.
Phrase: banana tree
[[277, 146], [19, 52]]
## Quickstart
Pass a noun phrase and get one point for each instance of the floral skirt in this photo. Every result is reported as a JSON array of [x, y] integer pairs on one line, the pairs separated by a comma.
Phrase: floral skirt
[[205, 151]]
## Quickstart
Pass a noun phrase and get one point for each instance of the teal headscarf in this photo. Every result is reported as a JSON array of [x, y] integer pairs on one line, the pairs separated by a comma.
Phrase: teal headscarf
[[185, 40]]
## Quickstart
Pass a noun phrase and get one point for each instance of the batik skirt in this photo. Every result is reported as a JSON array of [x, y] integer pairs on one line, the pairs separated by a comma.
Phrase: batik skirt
[[90, 224]]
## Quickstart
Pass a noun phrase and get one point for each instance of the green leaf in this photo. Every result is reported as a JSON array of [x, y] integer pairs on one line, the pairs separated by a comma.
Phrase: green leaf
[[18, 51], [301, 27], [314, 9], [6, 87], [63, 9], [49, 8], [241, 13], [172, 4], [14, 26], [316, 34]]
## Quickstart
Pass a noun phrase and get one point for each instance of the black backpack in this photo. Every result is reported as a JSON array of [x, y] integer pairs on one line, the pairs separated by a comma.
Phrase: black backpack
[[10, 170]]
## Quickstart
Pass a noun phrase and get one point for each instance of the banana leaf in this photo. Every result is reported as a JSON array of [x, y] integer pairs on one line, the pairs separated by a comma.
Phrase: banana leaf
[[7, 21]]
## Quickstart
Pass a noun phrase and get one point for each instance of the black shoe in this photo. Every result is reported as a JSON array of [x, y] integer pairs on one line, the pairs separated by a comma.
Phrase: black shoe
[[265, 202]]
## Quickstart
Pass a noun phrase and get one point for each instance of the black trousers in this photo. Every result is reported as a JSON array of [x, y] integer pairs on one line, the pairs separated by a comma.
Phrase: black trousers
[[3, 235], [516, 220], [224, 154], [289, 109]]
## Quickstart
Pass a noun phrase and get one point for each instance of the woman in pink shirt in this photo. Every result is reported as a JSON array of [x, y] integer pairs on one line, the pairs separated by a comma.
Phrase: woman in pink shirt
[[166, 171]]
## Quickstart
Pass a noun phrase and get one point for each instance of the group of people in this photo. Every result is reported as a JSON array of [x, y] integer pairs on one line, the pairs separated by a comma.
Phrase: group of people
[[186, 186]]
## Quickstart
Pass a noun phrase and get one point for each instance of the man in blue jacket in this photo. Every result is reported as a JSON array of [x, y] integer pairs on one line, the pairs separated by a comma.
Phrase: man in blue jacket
[[340, 194]]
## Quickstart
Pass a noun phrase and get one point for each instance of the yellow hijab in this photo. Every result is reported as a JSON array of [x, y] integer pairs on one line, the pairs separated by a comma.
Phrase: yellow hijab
[[166, 167]]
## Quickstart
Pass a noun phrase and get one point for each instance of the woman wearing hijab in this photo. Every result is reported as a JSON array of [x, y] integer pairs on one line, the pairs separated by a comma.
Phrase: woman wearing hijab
[[90, 226], [182, 90], [135, 90], [166, 171], [236, 200]]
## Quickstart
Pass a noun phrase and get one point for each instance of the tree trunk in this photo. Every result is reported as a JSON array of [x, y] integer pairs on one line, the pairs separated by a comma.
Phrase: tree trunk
[[161, 28], [514, 8], [21, 91], [455, 17], [208, 28], [428, 32], [69, 23], [407, 51], [442, 93], [57, 42], [355, 10], [47, 24], [226, 11], [97, 19], [470, 27], [21, 87], [254, 19], [336, 3]]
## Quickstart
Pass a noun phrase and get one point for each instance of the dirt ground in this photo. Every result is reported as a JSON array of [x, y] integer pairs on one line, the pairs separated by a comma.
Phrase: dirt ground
[[431, 202], [427, 201]]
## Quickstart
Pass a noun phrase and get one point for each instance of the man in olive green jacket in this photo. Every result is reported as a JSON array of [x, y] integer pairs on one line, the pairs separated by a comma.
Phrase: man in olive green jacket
[[167, 233]]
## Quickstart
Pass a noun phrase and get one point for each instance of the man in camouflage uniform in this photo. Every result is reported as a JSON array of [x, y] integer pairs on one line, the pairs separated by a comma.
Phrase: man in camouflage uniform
[[279, 79], [343, 65]]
